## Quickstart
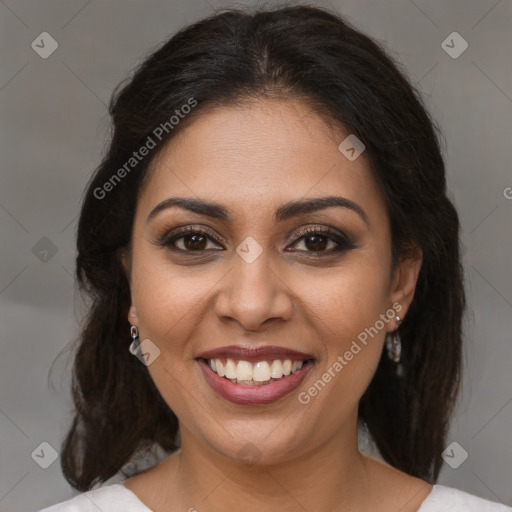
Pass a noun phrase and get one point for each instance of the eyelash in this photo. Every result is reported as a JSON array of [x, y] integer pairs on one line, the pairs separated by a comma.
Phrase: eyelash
[[344, 242]]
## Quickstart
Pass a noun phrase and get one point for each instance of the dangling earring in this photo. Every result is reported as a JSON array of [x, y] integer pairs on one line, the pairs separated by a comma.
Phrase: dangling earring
[[394, 344], [135, 344], [394, 347]]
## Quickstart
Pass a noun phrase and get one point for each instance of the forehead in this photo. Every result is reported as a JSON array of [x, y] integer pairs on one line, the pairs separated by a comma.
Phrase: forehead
[[257, 156]]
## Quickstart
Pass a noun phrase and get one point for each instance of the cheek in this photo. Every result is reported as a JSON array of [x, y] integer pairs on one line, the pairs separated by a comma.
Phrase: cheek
[[350, 334], [168, 306], [345, 311], [346, 300]]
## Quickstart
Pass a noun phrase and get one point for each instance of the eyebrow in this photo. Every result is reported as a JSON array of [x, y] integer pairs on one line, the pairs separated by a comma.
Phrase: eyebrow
[[284, 212]]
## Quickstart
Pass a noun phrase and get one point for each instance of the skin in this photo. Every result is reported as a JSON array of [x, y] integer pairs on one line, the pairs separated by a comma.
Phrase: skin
[[253, 159]]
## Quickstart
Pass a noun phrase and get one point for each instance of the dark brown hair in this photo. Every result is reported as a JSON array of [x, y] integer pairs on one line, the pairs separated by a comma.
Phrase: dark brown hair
[[345, 76]]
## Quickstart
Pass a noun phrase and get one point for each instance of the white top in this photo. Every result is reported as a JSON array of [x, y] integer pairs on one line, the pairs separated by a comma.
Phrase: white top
[[118, 498]]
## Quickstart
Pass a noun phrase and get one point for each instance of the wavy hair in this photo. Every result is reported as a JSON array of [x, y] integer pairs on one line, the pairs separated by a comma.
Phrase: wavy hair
[[318, 57]]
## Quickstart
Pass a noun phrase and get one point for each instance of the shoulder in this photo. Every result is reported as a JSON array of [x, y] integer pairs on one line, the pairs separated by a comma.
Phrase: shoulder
[[448, 499], [110, 498]]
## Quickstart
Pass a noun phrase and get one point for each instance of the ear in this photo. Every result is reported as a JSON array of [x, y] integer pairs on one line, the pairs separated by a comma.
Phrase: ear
[[405, 277], [124, 258]]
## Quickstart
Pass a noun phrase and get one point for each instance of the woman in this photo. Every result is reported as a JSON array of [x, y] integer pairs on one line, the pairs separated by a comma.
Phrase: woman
[[272, 262]]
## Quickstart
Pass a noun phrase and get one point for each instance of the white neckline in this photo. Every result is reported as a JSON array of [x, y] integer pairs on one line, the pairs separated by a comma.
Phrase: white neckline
[[136, 500]]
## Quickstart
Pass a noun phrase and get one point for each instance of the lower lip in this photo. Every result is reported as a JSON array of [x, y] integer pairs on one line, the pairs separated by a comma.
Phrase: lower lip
[[253, 395]]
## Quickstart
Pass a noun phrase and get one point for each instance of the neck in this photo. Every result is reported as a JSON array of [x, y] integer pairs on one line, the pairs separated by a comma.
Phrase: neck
[[202, 478]]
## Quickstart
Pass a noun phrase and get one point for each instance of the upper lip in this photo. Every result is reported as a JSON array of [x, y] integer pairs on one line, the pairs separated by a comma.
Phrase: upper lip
[[247, 353]]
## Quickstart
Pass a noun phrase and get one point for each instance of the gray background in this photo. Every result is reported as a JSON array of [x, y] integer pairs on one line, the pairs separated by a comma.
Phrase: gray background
[[54, 128]]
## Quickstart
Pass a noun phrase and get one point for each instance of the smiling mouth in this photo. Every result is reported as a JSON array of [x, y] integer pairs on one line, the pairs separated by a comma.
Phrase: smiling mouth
[[257, 373]]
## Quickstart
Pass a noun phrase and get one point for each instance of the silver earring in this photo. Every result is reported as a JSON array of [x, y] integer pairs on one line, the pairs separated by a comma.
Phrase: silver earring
[[135, 344], [394, 347], [394, 343]]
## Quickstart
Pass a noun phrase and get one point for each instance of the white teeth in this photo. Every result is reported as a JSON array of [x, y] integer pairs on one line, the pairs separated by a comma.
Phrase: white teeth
[[220, 368], [258, 373], [261, 372], [276, 370], [243, 371], [230, 369], [296, 365]]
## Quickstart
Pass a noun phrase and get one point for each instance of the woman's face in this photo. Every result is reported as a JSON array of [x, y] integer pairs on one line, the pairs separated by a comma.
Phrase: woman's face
[[254, 279]]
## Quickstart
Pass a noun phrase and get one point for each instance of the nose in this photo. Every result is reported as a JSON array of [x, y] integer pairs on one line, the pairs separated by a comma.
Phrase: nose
[[253, 294]]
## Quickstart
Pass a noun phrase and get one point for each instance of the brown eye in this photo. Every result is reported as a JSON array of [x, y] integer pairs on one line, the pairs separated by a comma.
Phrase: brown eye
[[316, 242], [323, 242], [189, 239], [194, 242]]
